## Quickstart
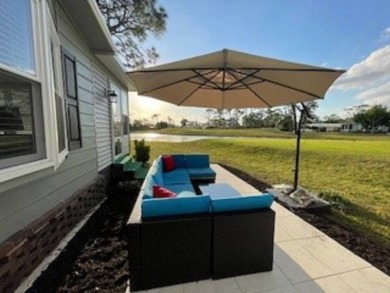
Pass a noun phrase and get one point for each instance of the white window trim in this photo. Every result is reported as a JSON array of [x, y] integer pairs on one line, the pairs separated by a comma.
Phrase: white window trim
[[58, 158], [118, 91], [120, 94], [42, 28]]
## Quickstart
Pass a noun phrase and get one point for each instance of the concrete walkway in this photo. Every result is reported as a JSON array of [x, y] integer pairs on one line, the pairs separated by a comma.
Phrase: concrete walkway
[[305, 260]]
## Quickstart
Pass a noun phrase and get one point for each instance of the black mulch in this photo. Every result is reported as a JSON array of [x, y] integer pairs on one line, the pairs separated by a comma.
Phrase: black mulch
[[96, 259]]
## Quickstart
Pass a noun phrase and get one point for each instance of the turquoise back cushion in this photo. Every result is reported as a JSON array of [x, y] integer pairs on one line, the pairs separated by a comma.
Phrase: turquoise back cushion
[[156, 172], [197, 161], [179, 160], [157, 207], [177, 176], [241, 203], [147, 187]]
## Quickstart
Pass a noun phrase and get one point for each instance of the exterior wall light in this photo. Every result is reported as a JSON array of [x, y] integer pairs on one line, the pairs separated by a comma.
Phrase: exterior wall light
[[112, 95]]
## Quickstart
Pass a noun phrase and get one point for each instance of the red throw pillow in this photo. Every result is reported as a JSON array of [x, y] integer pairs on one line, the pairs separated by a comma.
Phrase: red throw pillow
[[161, 192], [168, 163]]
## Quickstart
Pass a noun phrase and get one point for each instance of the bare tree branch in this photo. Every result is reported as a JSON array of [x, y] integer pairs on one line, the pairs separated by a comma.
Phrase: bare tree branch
[[131, 22]]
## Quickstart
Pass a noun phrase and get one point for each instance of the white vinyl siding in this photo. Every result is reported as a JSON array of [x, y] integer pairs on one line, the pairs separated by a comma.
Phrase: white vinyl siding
[[102, 120], [24, 199]]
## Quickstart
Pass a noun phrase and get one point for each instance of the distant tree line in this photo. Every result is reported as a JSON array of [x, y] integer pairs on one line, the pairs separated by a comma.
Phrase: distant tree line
[[282, 118], [154, 123]]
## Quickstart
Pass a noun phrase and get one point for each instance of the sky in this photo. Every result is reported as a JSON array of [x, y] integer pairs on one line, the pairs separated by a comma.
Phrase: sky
[[343, 34]]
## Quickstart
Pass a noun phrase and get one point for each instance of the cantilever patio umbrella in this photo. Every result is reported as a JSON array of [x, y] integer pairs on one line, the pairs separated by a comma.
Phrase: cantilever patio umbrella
[[229, 79]]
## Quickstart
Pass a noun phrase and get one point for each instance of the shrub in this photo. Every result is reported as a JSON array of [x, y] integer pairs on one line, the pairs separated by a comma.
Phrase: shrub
[[142, 151]]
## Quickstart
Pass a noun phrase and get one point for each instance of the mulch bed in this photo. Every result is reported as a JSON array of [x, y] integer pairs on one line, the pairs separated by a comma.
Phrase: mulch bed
[[96, 259]]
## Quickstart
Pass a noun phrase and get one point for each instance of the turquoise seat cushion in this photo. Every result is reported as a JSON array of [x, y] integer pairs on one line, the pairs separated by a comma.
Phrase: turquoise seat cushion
[[176, 176], [158, 207], [241, 203], [199, 173], [181, 189], [197, 161], [180, 161]]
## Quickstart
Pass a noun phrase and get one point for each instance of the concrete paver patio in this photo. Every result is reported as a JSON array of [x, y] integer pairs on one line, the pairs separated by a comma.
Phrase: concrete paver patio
[[305, 260]]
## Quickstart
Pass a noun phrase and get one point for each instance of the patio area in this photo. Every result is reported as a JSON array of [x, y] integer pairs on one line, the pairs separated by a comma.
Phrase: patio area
[[305, 260]]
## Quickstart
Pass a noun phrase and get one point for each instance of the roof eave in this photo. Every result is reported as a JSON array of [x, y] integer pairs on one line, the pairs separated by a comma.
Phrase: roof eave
[[87, 17]]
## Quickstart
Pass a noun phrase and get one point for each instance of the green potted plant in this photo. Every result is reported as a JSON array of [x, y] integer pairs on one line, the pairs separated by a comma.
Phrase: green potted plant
[[142, 151]]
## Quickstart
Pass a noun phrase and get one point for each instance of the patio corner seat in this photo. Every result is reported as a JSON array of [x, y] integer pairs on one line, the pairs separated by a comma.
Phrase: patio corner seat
[[243, 242], [243, 235]]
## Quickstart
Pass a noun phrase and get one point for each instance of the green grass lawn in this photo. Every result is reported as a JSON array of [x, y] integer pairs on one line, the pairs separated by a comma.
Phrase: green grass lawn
[[357, 170]]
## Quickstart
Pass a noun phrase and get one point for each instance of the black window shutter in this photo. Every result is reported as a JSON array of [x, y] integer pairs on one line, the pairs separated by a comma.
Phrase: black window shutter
[[72, 101]]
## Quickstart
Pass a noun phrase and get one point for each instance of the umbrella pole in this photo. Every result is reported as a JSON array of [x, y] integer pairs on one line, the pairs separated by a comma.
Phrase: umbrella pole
[[297, 156], [297, 129]]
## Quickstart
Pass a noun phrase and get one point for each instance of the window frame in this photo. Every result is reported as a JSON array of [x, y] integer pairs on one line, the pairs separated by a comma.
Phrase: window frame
[[123, 111], [42, 24], [56, 87], [118, 104], [37, 123]]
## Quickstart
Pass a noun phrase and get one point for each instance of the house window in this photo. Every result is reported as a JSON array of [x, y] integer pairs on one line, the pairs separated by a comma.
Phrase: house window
[[125, 115], [21, 125], [21, 122], [16, 37], [72, 103], [57, 89], [117, 123]]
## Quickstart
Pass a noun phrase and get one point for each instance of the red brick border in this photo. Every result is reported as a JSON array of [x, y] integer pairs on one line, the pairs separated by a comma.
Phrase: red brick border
[[21, 253]]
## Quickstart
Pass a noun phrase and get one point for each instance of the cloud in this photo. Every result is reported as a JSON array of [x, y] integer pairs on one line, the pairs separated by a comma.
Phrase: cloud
[[376, 95], [386, 34], [375, 68], [370, 77]]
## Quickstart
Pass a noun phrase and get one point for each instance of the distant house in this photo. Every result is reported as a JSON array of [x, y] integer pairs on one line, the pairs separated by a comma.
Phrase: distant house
[[351, 127], [356, 127], [324, 127], [341, 127], [59, 132]]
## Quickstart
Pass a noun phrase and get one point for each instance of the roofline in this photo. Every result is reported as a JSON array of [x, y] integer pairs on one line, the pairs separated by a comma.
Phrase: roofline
[[102, 24], [88, 19]]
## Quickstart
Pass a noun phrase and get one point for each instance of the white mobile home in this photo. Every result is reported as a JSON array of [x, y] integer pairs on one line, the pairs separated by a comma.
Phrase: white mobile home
[[59, 131]]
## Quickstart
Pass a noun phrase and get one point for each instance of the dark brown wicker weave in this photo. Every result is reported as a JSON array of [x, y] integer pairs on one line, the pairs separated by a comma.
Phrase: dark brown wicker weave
[[243, 243], [168, 251]]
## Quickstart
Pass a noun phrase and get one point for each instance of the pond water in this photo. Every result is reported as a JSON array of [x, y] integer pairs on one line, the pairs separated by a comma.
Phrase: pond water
[[152, 136]]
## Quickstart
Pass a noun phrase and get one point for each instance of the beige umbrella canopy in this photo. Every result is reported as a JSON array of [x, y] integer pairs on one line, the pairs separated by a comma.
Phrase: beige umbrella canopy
[[229, 79]]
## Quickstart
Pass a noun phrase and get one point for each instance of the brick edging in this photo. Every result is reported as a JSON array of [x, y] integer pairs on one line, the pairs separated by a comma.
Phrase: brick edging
[[21, 253]]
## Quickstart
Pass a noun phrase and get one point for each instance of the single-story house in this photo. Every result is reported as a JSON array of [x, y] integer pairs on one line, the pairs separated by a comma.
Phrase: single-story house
[[351, 127], [324, 127], [341, 127], [60, 130]]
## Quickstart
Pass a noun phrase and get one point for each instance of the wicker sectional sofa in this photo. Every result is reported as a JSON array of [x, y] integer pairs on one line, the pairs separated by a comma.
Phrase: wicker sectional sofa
[[181, 239]]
